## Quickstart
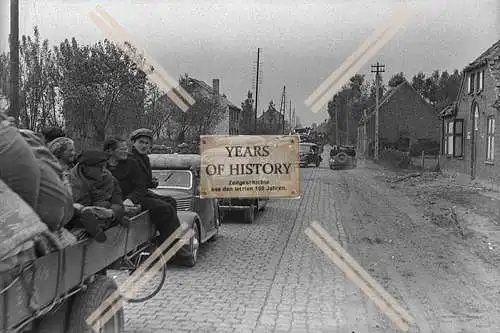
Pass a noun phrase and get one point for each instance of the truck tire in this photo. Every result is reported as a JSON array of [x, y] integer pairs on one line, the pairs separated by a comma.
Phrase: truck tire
[[85, 303], [249, 215]]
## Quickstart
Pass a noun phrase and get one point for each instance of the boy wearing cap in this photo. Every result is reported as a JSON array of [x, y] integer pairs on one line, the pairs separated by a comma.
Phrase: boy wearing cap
[[97, 194], [163, 209]]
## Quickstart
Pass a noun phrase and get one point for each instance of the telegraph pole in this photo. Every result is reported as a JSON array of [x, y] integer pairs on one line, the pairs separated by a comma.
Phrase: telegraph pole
[[377, 69], [257, 90], [347, 122], [290, 117], [14, 59]]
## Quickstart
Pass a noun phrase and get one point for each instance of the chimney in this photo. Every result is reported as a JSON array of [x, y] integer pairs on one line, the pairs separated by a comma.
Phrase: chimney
[[215, 86]]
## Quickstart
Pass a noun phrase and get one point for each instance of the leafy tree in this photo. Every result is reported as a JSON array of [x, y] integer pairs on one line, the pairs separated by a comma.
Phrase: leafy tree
[[247, 120], [103, 89], [38, 83], [396, 80]]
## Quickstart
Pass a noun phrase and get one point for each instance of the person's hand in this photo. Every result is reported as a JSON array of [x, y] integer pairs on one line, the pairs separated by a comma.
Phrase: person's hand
[[128, 203], [78, 207], [99, 212], [103, 213]]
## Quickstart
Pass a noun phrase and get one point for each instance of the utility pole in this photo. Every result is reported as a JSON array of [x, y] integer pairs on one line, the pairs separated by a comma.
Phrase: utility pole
[[290, 117], [365, 134], [281, 122], [347, 122], [378, 68], [14, 60], [337, 134], [257, 91]]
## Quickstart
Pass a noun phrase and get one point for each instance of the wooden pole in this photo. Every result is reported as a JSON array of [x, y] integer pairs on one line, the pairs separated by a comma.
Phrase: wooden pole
[[378, 69], [14, 60], [256, 91]]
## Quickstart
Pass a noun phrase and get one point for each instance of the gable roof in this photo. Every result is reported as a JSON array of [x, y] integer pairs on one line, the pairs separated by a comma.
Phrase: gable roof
[[389, 95], [484, 57]]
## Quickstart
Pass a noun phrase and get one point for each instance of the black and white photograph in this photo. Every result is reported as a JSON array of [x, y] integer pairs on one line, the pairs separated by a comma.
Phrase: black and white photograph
[[378, 213]]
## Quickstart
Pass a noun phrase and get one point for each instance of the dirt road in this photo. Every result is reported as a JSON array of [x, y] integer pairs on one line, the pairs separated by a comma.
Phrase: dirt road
[[444, 282]]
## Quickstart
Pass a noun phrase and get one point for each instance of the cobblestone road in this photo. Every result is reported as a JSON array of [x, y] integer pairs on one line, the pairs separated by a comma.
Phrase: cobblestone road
[[263, 277], [269, 277]]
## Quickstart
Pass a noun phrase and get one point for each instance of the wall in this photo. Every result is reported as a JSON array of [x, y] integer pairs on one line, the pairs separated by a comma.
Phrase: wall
[[406, 110], [484, 170]]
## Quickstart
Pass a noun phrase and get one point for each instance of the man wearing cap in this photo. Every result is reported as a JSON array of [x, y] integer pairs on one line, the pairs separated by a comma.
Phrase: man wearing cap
[[163, 209], [97, 194]]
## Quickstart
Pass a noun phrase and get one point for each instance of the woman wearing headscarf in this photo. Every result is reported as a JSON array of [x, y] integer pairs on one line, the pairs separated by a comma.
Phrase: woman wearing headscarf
[[63, 149]]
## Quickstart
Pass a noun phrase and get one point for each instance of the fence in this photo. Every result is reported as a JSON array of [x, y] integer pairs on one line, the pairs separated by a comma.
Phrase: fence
[[425, 162], [404, 160]]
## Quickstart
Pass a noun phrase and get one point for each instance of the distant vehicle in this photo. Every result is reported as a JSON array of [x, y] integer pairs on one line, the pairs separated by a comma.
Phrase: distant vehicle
[[309, 153], [342, 156], [179, 177]]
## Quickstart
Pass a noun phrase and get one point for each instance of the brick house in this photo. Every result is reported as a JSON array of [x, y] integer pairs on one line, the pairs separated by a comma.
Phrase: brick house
[[469, 124], [405, 117], [229, 122], [271, 121]]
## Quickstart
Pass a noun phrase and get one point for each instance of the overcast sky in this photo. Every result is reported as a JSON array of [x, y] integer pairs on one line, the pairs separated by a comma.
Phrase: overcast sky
[[302, 42]]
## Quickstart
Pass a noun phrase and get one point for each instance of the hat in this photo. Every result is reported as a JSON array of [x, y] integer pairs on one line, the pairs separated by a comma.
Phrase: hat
[[59, 145], [141, 132], [92, 157]]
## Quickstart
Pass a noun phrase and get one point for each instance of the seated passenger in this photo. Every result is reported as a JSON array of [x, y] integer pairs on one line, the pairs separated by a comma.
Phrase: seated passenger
[[63, 149], [30, 170], [125, 170], [135, 178], [96, 193]]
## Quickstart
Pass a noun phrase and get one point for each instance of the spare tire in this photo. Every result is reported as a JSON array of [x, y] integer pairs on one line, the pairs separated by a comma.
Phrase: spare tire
[[342, 157]]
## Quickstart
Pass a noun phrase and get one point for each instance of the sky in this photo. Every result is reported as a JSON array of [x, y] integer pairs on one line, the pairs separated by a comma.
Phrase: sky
[[302, 42]]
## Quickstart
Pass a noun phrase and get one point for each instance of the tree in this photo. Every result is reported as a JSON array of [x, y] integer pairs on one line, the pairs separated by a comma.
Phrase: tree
[[396, 80], [203, 116], [38, 83], [103, 89], [247, 118]]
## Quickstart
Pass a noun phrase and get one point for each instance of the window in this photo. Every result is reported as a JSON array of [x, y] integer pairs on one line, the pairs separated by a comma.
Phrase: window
[[490, 146], [458, 138], [453, 145], [471, 83], [449, 138], [480, 80]]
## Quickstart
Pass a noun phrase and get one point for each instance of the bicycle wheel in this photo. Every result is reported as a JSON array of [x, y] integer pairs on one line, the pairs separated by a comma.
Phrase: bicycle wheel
[[148, 279]]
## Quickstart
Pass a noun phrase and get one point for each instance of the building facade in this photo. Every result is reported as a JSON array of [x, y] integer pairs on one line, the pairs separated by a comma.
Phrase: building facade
[[469, 125], [405, 118]]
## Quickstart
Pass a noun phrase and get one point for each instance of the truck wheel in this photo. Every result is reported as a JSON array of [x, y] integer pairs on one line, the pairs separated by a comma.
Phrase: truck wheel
[[250, 215], [85, 303]]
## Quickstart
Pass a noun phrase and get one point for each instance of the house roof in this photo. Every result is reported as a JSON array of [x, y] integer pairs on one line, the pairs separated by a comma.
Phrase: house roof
[[484, 57], [387, 97]]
